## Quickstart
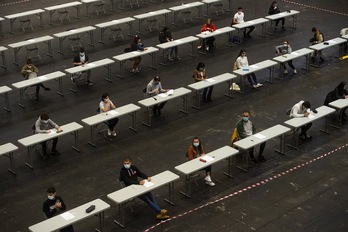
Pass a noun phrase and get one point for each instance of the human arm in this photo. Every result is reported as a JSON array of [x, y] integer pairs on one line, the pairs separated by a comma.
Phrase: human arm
[[212, 27], [38, 127], [77, 61], [240, 130], [54, 125], [150, 90], [296, 112], [235, 19]]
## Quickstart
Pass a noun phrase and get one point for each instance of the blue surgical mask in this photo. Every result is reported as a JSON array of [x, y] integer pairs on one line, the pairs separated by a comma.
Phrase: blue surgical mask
[[126, 166], [245, 119], [196, 144], [201, 69]]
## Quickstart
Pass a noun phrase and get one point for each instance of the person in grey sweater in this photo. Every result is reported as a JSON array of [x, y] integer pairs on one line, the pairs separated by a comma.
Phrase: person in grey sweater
[[153, 88], [43, 125], [282, 50]]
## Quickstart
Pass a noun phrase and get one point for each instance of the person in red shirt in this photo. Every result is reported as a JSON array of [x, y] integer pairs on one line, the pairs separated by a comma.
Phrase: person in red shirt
[[209, 42]]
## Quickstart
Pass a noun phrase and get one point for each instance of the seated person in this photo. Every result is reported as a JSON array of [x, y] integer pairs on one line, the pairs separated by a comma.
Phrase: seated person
[[199, 75], [136, 45], [283, 49], [154, 87], [129, 175], [166, 36], [194, 151], [242, 61], [82, 59], [239, 18], [318, 37], [299, 110], [42, 125], [245, 128], [340, 92], [209, 42], [274, 9], [104, 106], [30, 71]]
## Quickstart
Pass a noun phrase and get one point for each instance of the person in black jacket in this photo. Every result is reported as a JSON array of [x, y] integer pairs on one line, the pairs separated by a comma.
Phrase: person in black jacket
[[129, 175], [82, 59], [340, 92], [273, 9], [166, 36], [53, 206]]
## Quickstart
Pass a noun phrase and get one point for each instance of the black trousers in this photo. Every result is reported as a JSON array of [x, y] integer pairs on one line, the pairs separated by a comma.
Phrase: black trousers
[[54, 145], [262, 148], [305, 128], [112, 123]]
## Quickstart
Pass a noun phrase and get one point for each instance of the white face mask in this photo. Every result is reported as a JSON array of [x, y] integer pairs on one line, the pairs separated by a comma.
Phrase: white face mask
[[126, 166], [196, 144], [44, 121], [82, 54], [50, 197], [106, 99]]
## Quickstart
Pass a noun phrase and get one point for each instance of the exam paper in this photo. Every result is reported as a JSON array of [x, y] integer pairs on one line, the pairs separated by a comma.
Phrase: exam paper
[[260, 136], [162, 95], [52, 132], [311, 116], [112, 112], [42, 77], [207, 158], [170, 92], [67, 215], [253, 66], [148, 184], [209, 80]]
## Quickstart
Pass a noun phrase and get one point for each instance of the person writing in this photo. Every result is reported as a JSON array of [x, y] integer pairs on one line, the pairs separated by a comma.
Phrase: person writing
[[340, 92], [194, 151], [283, 49], [299, 110], [242, 61], [209, 42], [106, 105], [200, 74], [129, 175], [137, 45], [164, 37], [274, 9], [82, 59], [318, 37], [153, 88]]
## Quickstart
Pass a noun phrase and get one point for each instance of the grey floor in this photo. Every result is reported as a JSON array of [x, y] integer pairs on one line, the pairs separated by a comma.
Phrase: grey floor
[[310, 198]]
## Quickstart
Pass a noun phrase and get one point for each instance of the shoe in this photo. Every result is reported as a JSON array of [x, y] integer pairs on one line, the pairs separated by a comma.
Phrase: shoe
[[261, 158], [305, 136], [109, 132], [199, 47], [207, 178], [255, 86], [44, 157], [210, 183], [177, 58], [249, 36], [133, 70], [137, 70], [322, 60], [89, 83], [162, 216], [55, 152], [285, 71], [73, 80], [259, 84], [170, 58], [207, 48], [164, 211], [47, 89], [114, 133], [295, 71]]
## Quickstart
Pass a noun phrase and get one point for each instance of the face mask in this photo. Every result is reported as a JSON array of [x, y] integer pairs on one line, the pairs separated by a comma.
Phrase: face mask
[[196, 144], [126, 166], [44, 121], [245, 119], [201, 69], [286, 45], [82, 54], [106, 100], [50, 197]]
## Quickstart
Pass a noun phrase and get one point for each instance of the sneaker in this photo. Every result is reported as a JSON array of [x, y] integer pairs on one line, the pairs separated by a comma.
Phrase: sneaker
[[133, 70], [137, 70], [259, 84], [164, 211], [47, 89], [109, 132], [44, 157], [285, 71], [72, 80], [207, 48], [89, 83], [210, 183], [199, 47], [255, 86], [207, 178], [305, 136], [170, 58], [295, 71], [177, 58], [114, 133], [162, 216]]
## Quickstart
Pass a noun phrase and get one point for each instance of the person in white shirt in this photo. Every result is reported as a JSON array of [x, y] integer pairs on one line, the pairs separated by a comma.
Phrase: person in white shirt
[[300, 110], [285, 49], [104, 106], [242, 61], [239, 18]]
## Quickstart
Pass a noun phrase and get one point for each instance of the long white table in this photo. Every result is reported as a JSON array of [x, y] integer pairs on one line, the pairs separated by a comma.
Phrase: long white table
[[63, 9], [151, 14], [261, 137], [116, 22], [7, 150], [130, 55], [297, 123], [293, 55], [163, 97], [32, 140], [63, 35], [241, 26], [339, 105], [254, 68], [77, 214], [23, 85], [327, 44], [17, 46], [98, 3], [122, 196], [206, 34], [195, 165], [95, 120], [284, 14], [2, 52], [1, 30], [216, 3], [14, 17], [4, 92], [187, 40], [106, 63], [184, 7], [197, 86]]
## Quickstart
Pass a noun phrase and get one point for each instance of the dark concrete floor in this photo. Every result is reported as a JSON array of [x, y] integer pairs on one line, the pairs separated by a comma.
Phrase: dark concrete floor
[[311, 198]]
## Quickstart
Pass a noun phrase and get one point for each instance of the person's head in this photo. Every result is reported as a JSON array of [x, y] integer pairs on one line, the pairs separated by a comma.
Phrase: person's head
[[342, 85], [286, 43], [44, 118], [136, 38], [51, 193], [165, 29], [200, 66], [240, 10], [314, 29], [274, 4], [82, 51], [29, 62], [246, 116], [127, 162], [196, 142], [208, 21], [105, 97], [306, 105], [156, 80], [242, 53]]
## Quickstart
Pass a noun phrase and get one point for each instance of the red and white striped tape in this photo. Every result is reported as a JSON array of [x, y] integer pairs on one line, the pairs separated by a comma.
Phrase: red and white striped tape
[[262, 182], [13, 3]]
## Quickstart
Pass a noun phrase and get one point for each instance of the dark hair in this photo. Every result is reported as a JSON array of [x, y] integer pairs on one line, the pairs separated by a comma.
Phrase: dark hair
[[200, 148], [136, 38], [105, 95], [314, 29], [51, 190], [340, 88], [44, 117], [29, 61], [240, 8], [82, 50], [274, 2], [165, 28], [241, 51], [307, 104], [157, 78], [200, 65]]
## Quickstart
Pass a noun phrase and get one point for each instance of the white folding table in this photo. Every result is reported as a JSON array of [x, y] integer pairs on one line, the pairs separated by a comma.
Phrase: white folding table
[[4, 90], [7, 150], [14, 17], [74, 4], [116, 22]]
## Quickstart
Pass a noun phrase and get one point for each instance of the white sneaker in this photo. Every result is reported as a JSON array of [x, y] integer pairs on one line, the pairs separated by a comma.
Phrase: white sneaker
[[137, 70], [114, 133], [207, 48], [259, 84], [255, 86], [207, 178], [210, 183], [295, 71], [133, 70], [199, 47], [285, 71], [109, 132]]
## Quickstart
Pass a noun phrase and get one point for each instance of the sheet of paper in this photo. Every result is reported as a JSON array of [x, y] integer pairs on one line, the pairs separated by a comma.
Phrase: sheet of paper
[[162, 95], [31, 40], [207, 158], [178, 41], [260, 136], [295, 53], [217, 30], [115, 21], [311, 116], [253, 66], [331, 41], [209, 80], [148, 184], [135, 52], [170, 92], [42, 77], [52, 132], [72, 30], [91, 65], [67, 215], [113, 112], [250, 22]]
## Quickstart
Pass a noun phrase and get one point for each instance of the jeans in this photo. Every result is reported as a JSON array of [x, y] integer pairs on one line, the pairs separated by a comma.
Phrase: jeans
[[112, 123], [252, 75], [150, 201]]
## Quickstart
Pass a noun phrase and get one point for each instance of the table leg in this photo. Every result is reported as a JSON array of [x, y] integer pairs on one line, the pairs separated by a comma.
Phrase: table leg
[[202, 50], [165, 19], [21, 97], [229, 6], [230, 38], [184, 104], [294, 21], [60, 82], [40, 17], [170, 199], [174, 17], [121, 70], [139, 29], [102, 30], [229, 90], [30, 164], [113, 8], [197, 103], [108, 67], [193, 53], [11, 25], [61, 39], [230, 167], [76, 136], [134, 120], [263, 26], [281, 144], [91, 43], [130, 25], [121, 211], [271, 31], [199, 8], [3, 60], [208, 8], [87, 6], [164, 60], [51, 13], [152, 60], [245, 164], [101, 222], [147, 117], [294, 139], [92, 141], [241, 84], [187, 192], [327, 123], [77, 12], [49, 48], [16, 50], [7, 103], [11, 169]]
